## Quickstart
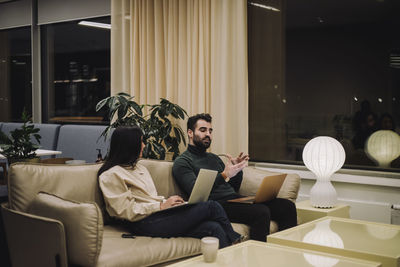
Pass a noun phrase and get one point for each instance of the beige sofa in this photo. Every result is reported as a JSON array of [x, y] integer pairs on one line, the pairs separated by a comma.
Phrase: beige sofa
[[66, 226]]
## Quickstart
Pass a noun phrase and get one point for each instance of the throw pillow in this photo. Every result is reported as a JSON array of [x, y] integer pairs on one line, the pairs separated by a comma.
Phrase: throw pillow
[[254, 179], [83, 225]]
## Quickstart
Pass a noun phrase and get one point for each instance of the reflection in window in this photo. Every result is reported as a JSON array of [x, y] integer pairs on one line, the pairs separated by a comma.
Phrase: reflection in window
[[15, 73], [315, 69], [76, 70]]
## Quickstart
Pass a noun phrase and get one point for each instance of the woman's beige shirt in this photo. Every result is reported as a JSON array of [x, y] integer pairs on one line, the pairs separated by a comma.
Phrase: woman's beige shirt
[[129, 193]]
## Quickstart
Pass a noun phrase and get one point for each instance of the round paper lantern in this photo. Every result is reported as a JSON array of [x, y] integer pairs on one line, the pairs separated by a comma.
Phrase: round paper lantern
[[323, 156], [383, 146]]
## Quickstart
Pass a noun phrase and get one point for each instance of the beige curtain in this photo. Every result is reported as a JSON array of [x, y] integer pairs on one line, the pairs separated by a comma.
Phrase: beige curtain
[[192, 52]]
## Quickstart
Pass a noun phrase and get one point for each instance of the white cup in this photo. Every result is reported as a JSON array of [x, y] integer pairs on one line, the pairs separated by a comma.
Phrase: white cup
[[209, 248]]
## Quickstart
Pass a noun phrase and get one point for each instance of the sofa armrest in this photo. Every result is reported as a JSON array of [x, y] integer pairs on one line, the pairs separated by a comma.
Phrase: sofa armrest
[[252, 178], [34, 240]]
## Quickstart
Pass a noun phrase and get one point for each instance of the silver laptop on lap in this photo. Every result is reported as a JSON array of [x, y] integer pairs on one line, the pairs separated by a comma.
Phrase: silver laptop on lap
[[201, 189]]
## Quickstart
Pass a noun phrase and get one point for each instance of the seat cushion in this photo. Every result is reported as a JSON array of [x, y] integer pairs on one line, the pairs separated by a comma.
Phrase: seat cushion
[[83, 225], [142, 250]]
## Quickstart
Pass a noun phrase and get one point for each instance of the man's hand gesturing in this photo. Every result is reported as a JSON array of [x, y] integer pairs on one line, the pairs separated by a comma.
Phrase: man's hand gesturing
[[239, 158], [233, 166]]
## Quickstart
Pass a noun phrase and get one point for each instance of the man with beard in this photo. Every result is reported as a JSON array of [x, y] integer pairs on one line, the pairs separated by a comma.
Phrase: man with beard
[[228, 181]]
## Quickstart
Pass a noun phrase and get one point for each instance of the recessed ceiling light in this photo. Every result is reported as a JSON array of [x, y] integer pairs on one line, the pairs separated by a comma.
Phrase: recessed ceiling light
[[95, 24], [264, 6]]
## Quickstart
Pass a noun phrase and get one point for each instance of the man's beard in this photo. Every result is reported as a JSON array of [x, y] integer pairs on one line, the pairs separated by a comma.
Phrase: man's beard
[[202, 143]]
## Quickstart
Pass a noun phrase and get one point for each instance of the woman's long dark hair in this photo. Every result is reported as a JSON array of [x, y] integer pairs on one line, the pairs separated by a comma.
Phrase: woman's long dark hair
[[125, 147]]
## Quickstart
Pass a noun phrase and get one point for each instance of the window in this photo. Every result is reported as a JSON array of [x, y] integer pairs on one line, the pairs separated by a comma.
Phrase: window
[[312, 66], [76, 70], [15, 73]]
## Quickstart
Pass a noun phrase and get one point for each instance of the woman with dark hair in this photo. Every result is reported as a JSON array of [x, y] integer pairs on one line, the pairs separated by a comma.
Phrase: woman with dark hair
[[130, 196]]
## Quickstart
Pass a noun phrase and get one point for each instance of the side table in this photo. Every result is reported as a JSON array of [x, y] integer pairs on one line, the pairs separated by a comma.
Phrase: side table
[[307, 213]]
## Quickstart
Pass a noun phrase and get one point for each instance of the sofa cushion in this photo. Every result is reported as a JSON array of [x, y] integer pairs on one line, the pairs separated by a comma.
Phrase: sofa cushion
[[143, 250], [161, 172], [83, 225], [252, 177], [49, 134], [74, 182], [290, 187], [7, 127], [82, 141]]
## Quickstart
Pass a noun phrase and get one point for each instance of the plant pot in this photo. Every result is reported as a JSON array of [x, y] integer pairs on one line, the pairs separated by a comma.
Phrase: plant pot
[[169, 156], [31, 160]]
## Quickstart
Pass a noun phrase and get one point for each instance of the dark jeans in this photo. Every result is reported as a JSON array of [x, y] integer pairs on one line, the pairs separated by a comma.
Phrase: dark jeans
[[258, 216], [199, 220]]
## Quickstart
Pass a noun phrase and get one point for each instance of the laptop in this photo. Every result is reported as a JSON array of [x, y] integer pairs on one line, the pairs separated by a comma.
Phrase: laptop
[[268, 190], [201, 189]]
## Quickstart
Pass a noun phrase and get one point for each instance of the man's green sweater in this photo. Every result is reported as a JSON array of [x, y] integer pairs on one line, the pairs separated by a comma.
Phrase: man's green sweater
[[187, 166]]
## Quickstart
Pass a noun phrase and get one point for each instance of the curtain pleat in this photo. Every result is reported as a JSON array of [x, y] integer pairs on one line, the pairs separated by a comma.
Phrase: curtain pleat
[[192, 52]]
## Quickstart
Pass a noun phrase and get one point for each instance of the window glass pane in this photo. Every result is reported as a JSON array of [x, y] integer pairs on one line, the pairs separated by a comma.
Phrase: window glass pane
[[312, 66], [76, 71], [15, 73]]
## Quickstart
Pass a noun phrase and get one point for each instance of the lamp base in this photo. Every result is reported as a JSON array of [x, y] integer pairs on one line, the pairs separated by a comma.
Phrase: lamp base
[[323, 195]]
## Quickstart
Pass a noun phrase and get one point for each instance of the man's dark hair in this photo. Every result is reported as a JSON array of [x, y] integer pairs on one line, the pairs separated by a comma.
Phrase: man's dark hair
[[191, 124]]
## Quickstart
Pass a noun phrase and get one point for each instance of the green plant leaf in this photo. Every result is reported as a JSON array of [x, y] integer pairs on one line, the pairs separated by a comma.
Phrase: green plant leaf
[[160, 150], [123, 94], [177, 135], [136, 107], [157, 127], [122, 110], [19, 145], [101, 104], [181, 112], [162, 112], [37, 137], [181, 134]]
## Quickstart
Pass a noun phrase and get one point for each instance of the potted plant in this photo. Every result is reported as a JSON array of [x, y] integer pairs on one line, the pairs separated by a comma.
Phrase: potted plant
[[19, 146], [161, 135]]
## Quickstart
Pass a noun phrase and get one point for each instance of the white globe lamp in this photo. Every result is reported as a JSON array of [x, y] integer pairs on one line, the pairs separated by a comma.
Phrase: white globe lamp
[[323, 156], [383, 146]]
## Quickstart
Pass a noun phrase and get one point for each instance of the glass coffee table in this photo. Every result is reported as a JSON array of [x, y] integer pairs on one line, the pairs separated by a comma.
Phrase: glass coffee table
[[254, 253], [345, 237]]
